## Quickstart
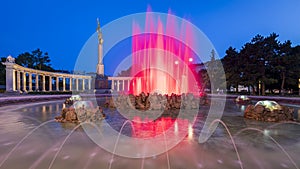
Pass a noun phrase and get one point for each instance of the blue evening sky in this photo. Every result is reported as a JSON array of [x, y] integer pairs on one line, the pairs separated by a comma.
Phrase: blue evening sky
[[61, 27]]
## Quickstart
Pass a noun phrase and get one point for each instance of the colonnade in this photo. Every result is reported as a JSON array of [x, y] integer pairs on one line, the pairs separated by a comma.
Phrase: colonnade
[[120, 83], [22, 79]]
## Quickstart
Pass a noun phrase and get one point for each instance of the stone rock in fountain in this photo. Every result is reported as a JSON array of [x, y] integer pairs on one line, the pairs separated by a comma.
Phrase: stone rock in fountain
[[190, 102], [174, 101], [139, 103], [242, 99], [70, 101], [91, 114], [109, 103], [142, 101], [68, 114], [269, 111], [81, 114], [131, 101], [71, 115], [156, 102], [153, 102]]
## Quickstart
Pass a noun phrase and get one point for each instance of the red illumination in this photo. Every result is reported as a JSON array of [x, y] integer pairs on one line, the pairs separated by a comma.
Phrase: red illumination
[[147, 128], [162, 63]]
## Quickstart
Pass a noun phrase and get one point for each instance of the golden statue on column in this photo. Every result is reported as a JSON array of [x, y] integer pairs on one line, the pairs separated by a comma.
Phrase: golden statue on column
[[101, 82], [100, 66]]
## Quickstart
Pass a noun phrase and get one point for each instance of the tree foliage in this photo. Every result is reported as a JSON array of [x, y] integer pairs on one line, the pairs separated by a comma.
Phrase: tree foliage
[[2, 71], [35, 60], [213, 76], [264, 62]]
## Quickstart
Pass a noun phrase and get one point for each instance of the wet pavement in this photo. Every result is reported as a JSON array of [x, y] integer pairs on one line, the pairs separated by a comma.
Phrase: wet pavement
[[29, 138]]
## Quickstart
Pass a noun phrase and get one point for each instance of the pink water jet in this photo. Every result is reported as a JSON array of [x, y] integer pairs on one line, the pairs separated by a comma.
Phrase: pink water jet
[[161, 63]]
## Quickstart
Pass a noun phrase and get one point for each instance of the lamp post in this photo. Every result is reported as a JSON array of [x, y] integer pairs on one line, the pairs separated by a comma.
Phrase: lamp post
[[259, 87], [299, 86]]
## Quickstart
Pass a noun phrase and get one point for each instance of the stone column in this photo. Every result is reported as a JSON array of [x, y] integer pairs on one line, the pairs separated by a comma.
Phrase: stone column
[[18, 80], [24, 81], [10, 77], [57, 83], [36, 82], [30, 82], [70, 83], [112, 84], [128, 85], [123, 85], [44, 83], [90, 83], [76, 84], [64, 83], [50, 83], [14, 80], [83, 84], [118, 85]]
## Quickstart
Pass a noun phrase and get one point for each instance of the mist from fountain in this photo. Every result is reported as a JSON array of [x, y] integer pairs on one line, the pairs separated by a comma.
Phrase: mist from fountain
[[161, 63]]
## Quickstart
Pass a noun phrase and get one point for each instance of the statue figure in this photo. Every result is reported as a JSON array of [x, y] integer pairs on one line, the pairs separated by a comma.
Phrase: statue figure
[[10, 59], [100, 39]]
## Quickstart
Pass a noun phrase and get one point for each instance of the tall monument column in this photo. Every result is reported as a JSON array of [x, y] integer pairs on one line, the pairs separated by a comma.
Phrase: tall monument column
[[100, 66]]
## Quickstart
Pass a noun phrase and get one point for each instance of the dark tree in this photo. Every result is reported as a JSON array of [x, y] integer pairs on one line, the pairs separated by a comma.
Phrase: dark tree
[[35, 60], [232, 67], [2, 71], [265, 64]]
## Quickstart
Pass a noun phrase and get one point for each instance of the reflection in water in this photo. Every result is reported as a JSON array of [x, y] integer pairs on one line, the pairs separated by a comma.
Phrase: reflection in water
[[190, 132], [146, 128], [176, 127], [254, 148], [243, 108], [44, 109]]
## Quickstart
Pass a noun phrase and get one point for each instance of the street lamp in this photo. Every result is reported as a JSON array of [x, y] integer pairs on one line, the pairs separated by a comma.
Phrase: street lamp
[[190, 59], [259, 87], [299, 85]]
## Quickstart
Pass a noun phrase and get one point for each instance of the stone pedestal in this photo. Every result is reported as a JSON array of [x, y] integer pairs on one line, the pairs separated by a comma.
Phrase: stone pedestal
[[100, 69], [101, 84]]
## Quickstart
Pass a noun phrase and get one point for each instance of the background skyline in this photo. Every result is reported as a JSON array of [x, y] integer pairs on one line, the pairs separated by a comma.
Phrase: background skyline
[[62, 27]]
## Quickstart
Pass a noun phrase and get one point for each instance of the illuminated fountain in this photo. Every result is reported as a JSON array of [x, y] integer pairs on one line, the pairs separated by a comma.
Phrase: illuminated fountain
[[162, 63], [270, 111], [31, 139]]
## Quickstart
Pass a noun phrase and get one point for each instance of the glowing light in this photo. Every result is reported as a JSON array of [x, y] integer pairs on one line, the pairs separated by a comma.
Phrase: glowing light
[[152, 54], [266, 132], [190, 132], [148, 128], [243, 108], [44, 109], [176, 127], [271, 105]]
